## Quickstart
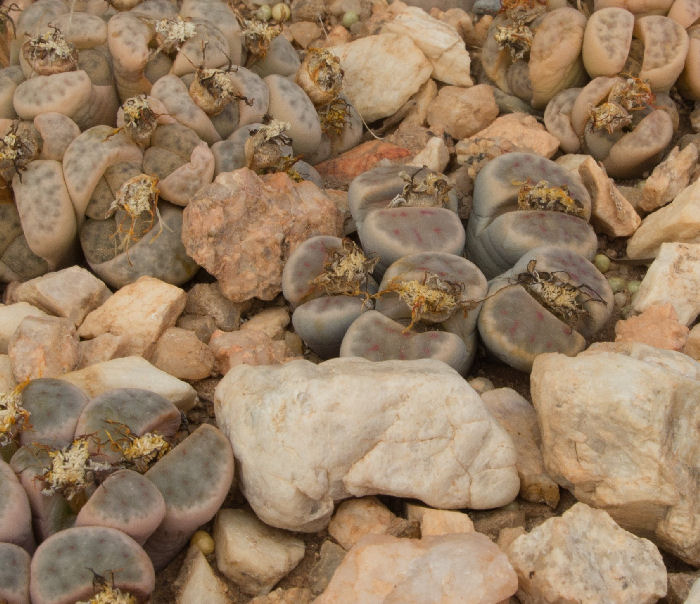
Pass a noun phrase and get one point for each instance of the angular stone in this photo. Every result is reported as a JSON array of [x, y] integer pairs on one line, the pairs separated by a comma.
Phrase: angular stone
[[444, 568], [102, 348], [133, 372], [7, 381], [196, 582], [202, 326], [677, 222], [141, 310], [611, 213], [523, 131], [256, 569], [381, 73], [356, 518], [271, 321], [206, 299], [439, 42], [434, 156], [330, 556], [71, 293], [585, 557], [182, 354], [242, 228], [307, 435], [340, 171], [669, 178], [462, 112], [657, 326], [673, 277], [43, 347], [439, 522], [605, 418], [250, 347], [293, 595], [11, 315], [518, 418]]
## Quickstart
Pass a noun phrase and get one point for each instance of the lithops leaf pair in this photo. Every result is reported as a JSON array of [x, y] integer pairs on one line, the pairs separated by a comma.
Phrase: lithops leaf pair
[[533, 54], [426, 307], [552, 300], [523, 201], [329, 282], [401, 210], [619, 120]]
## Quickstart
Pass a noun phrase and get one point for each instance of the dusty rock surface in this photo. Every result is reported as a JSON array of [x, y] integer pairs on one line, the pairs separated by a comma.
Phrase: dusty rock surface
[[321, 413]]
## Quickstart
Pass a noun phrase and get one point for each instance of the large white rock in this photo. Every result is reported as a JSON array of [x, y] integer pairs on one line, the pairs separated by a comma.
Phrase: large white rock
[[380, 569], [439, 41], [305, 436], [673, 277], [585, 557], [381, 73], [620, 430], [133, 372]]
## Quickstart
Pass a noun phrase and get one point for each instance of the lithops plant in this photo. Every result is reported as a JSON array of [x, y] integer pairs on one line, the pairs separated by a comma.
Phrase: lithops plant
[[14, 574], [376, 337], [79, 563], [15, 513], [328, 282], [523, 201], [552, 300], [127, 501], [622, 123], [203, 463], [403, 210], [532, 53]]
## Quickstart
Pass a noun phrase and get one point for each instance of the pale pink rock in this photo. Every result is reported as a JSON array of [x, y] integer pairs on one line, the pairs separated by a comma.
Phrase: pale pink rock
[[242, 228], [11, 315], [439, 522], [104, 347], [524, 132], [382, 569], [197, 583], [585, 557], [355, 518], [611, 213], [462, 112], [657, 326], [206, 299], [251, 347], [271, 321], [182, 354], [304, 32], [71, 293], [434, 156], [669, 178], [293, 595], [517, 416], [43, 347], [141, 311]]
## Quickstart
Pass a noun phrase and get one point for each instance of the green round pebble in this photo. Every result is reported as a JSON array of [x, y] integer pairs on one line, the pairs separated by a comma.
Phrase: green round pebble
[[633, 286], [281, 12], [602, 263], [264, 13], [617, 283], [350, 18]]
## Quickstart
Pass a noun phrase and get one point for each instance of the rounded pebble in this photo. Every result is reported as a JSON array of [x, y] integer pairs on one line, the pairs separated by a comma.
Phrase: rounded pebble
[[264, 13], [617, 283], [281, 12], [204, 542], [602, 263], [350, 18]]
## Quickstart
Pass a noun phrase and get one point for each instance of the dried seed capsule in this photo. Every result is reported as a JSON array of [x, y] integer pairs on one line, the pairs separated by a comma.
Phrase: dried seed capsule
[[50, 53], [320, 76]]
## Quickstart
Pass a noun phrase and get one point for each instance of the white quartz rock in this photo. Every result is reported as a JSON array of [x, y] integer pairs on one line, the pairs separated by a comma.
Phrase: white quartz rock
[[133, 372], [619, 430], [465, 567], [439, 41], [305, 436], [381, 73], [673, 277], [585, 557]]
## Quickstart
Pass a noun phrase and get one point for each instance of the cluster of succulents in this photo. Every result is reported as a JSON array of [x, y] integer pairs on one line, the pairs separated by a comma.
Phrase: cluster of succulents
[[104, 487], [120, 112]]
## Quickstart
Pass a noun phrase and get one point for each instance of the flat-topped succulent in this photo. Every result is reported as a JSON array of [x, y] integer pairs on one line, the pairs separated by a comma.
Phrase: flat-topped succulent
[[15, 513], [523, 201], [619, 121], [328, 280], [376, 337], [552, 300], [14, 574], [79, 563]]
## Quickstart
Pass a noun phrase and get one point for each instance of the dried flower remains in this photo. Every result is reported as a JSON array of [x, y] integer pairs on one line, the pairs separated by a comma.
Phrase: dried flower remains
[[545, 196], [13, 416], [346, 271], [423, 188]]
